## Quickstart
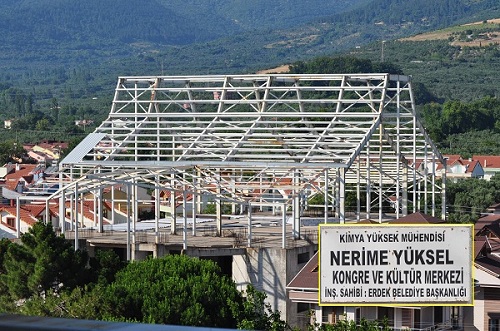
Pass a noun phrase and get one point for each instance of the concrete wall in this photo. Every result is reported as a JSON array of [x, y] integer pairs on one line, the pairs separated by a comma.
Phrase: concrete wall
[[427, 316], [269, 270]]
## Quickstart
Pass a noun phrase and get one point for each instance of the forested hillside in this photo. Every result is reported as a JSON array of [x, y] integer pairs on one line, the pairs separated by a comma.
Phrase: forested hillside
[[70, 32], [60, 59]]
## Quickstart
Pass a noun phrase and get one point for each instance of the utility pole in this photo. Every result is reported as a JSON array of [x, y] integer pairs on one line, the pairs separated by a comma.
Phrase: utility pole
[[382, 52]]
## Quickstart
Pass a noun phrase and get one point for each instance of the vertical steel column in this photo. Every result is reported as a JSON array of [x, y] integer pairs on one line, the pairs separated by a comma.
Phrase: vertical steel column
[[433, 193], [414, 166], [358, 190], [173, 202], [100, 210], [404, 199], [325, 194], [398, 148], [283, 225], [193, 201], [368, 182], [233, 192], [443, 190], [76, 215], [218, 204], [47, 212], [380, 177], [71, 212], [296, 205], [249, 227], [82, 209], [135, 214], [18, 217], [113, 204], [95, 217], [273, 192], [173, 206], [426, 174], [62, 211], [62, 202], [157, 209], [185, 222], [260, 193], [419, 198], [128, 222], [198, 195], [341, 179], [337, 195]]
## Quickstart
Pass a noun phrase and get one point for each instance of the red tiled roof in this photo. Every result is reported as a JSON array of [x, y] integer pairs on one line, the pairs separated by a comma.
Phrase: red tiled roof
[[307, 278], [490, 229], [28, 213], [488, 161], [490, 262], [417, 218], [368, 221], [12, 178], [472, 163], [88, 209], [479, 245], [484, 221]]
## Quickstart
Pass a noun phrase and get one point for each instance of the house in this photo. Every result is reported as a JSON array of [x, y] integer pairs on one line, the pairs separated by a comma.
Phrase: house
[[494, 209], [45, 150], [118, 194], [20, 177], [303, 292], [7, 124], [459, 168], [490, 164], [30, 213]]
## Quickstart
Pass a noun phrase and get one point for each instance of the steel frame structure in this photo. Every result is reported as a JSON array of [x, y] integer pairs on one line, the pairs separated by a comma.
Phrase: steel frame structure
[[264, 140]]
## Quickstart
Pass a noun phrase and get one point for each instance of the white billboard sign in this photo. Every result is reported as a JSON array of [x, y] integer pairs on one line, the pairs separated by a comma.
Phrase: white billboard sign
[[396, 264]]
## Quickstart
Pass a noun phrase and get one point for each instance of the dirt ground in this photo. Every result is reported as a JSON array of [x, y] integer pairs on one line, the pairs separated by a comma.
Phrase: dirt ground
[[278, 70], [491, 38]]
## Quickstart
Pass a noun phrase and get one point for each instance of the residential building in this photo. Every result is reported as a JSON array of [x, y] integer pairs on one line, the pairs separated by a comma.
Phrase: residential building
[[489, 163], [460, 168]]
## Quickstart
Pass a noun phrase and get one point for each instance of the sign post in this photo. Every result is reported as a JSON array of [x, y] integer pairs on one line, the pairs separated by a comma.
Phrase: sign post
[[396, 265]]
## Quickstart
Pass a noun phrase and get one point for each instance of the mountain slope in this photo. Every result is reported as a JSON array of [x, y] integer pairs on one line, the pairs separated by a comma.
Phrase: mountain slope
[[174, 22], [105, 39]]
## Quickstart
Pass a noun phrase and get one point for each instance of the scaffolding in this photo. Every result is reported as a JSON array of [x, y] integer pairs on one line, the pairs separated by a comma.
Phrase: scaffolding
[[263, 142]]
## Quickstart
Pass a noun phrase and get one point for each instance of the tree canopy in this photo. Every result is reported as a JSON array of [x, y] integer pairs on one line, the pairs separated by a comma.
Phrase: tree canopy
[[43, 262], [175, 289], [44, 276]]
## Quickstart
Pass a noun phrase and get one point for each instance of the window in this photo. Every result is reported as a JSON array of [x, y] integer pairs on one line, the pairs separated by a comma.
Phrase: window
[[438, 315], [494, 324], [303, 258], [11, 221], [385, 313], [302, 307]]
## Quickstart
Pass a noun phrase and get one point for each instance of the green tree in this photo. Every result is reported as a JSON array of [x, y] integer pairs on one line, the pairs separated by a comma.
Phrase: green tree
[[10, 150], [467, 198], [257, 314], [42, 125], [43, 262], [175, 289]]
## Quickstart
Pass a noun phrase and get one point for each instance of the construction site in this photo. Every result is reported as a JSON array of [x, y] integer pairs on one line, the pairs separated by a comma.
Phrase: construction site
[[241, 169]]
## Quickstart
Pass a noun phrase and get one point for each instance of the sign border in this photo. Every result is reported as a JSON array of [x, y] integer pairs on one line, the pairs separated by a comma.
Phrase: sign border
[[395, 304]]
